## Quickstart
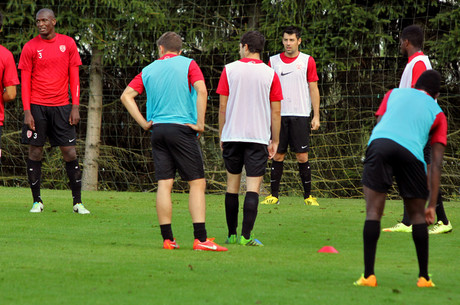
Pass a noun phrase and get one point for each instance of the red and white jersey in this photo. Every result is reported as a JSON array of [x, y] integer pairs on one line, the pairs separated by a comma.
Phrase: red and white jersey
[[49, 62], [417, 64], [250, 86], [294, 77]]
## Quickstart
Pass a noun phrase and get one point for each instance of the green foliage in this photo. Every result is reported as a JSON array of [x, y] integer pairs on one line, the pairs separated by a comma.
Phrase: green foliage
[[354, 43]]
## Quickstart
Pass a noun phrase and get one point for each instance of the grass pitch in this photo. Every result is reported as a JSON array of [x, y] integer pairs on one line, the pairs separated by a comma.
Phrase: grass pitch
[[115, 256]]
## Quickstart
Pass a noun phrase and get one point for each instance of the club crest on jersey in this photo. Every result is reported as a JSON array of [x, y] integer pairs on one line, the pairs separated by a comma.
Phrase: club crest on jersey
[[29, 134], [62, 48]]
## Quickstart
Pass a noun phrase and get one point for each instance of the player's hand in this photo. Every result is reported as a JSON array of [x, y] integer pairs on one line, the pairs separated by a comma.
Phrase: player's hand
[[29, 120], [315, 123], [198, 128], [148, 125], [74, 115], [429, 215], [272, 149]]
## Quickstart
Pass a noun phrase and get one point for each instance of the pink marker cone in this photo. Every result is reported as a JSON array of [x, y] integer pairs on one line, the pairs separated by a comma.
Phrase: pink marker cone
[[328, 249]]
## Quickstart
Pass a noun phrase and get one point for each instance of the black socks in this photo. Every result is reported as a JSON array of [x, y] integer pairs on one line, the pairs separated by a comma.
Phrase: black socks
[[305, 176], [371, 234], [251, 202], [275, 179], [34, 173], [231, 212], [74, 174]]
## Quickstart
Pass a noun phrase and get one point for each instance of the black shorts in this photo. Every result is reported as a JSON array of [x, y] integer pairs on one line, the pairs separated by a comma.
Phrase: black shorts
[[385, 159], [253, 156], [51, 122], [295, 132], [176, 147]]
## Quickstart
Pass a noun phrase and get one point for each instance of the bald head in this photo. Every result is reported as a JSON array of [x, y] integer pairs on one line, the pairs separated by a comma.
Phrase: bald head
[[46, 12], [46, 21]]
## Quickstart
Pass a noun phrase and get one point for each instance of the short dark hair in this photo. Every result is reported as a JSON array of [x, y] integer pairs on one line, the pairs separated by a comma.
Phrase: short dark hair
[[430, 81], [255, 41], [171, 41], [292, 30], [414, 34]]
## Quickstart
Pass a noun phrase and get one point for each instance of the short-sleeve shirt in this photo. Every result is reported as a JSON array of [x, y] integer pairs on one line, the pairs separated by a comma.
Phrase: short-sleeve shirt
[[49, 62], [8, 76], [410, 117], [250, 86]]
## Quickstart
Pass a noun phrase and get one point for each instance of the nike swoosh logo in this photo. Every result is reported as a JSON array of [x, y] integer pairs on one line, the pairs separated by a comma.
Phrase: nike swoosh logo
[[214, 247], [283, 74], [77, 181], [40, 50], [33, 183], [303, 147], [70, 141]]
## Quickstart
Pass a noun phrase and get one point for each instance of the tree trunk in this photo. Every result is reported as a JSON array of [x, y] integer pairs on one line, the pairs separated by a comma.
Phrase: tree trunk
[[93, 127]]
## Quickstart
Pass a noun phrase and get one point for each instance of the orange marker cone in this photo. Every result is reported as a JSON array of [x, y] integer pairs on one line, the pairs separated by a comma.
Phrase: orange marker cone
[[328, 249]]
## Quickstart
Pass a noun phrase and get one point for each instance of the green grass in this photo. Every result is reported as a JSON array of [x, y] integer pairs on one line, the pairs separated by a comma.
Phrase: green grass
[[114, 255]]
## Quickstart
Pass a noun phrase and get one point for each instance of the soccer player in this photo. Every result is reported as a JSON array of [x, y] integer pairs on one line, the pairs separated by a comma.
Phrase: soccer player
[[407, 118], [299, 80], [49, 64], [411, 43], [176, 106], [250, 95], [8, 81]]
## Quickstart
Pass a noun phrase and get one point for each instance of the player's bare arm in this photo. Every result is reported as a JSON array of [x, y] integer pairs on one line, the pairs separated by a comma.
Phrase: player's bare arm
[[127, 98], [201, 104], [9, 93], [275, 128], [74, 115], [437, 152], [314, 94], [223, 99]]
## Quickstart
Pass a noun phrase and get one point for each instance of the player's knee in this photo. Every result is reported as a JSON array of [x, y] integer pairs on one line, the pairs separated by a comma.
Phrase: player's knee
[[302, 157]]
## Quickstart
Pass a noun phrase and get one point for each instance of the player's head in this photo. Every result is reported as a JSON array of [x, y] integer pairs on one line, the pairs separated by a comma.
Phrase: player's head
[[292, 30], [170, 42], [429, 81], [254, 40], [413, 35], [46, 22], [291, 41]]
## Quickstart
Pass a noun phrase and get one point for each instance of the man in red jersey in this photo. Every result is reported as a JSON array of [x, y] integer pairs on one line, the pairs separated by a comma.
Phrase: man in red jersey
[[8, 81], [411, 42], [299, 80], [49, 63], [249, 113]]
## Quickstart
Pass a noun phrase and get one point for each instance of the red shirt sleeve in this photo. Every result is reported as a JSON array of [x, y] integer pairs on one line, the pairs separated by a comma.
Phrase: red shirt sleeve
[[74, 81], [74, 55], [383, 106], [269, 64], [417, 70], [276, 93], [194, 73], [26, 77], [312, 74], [438, 130], [25, 61], [137, 83], [10, 74], [222, 87]]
